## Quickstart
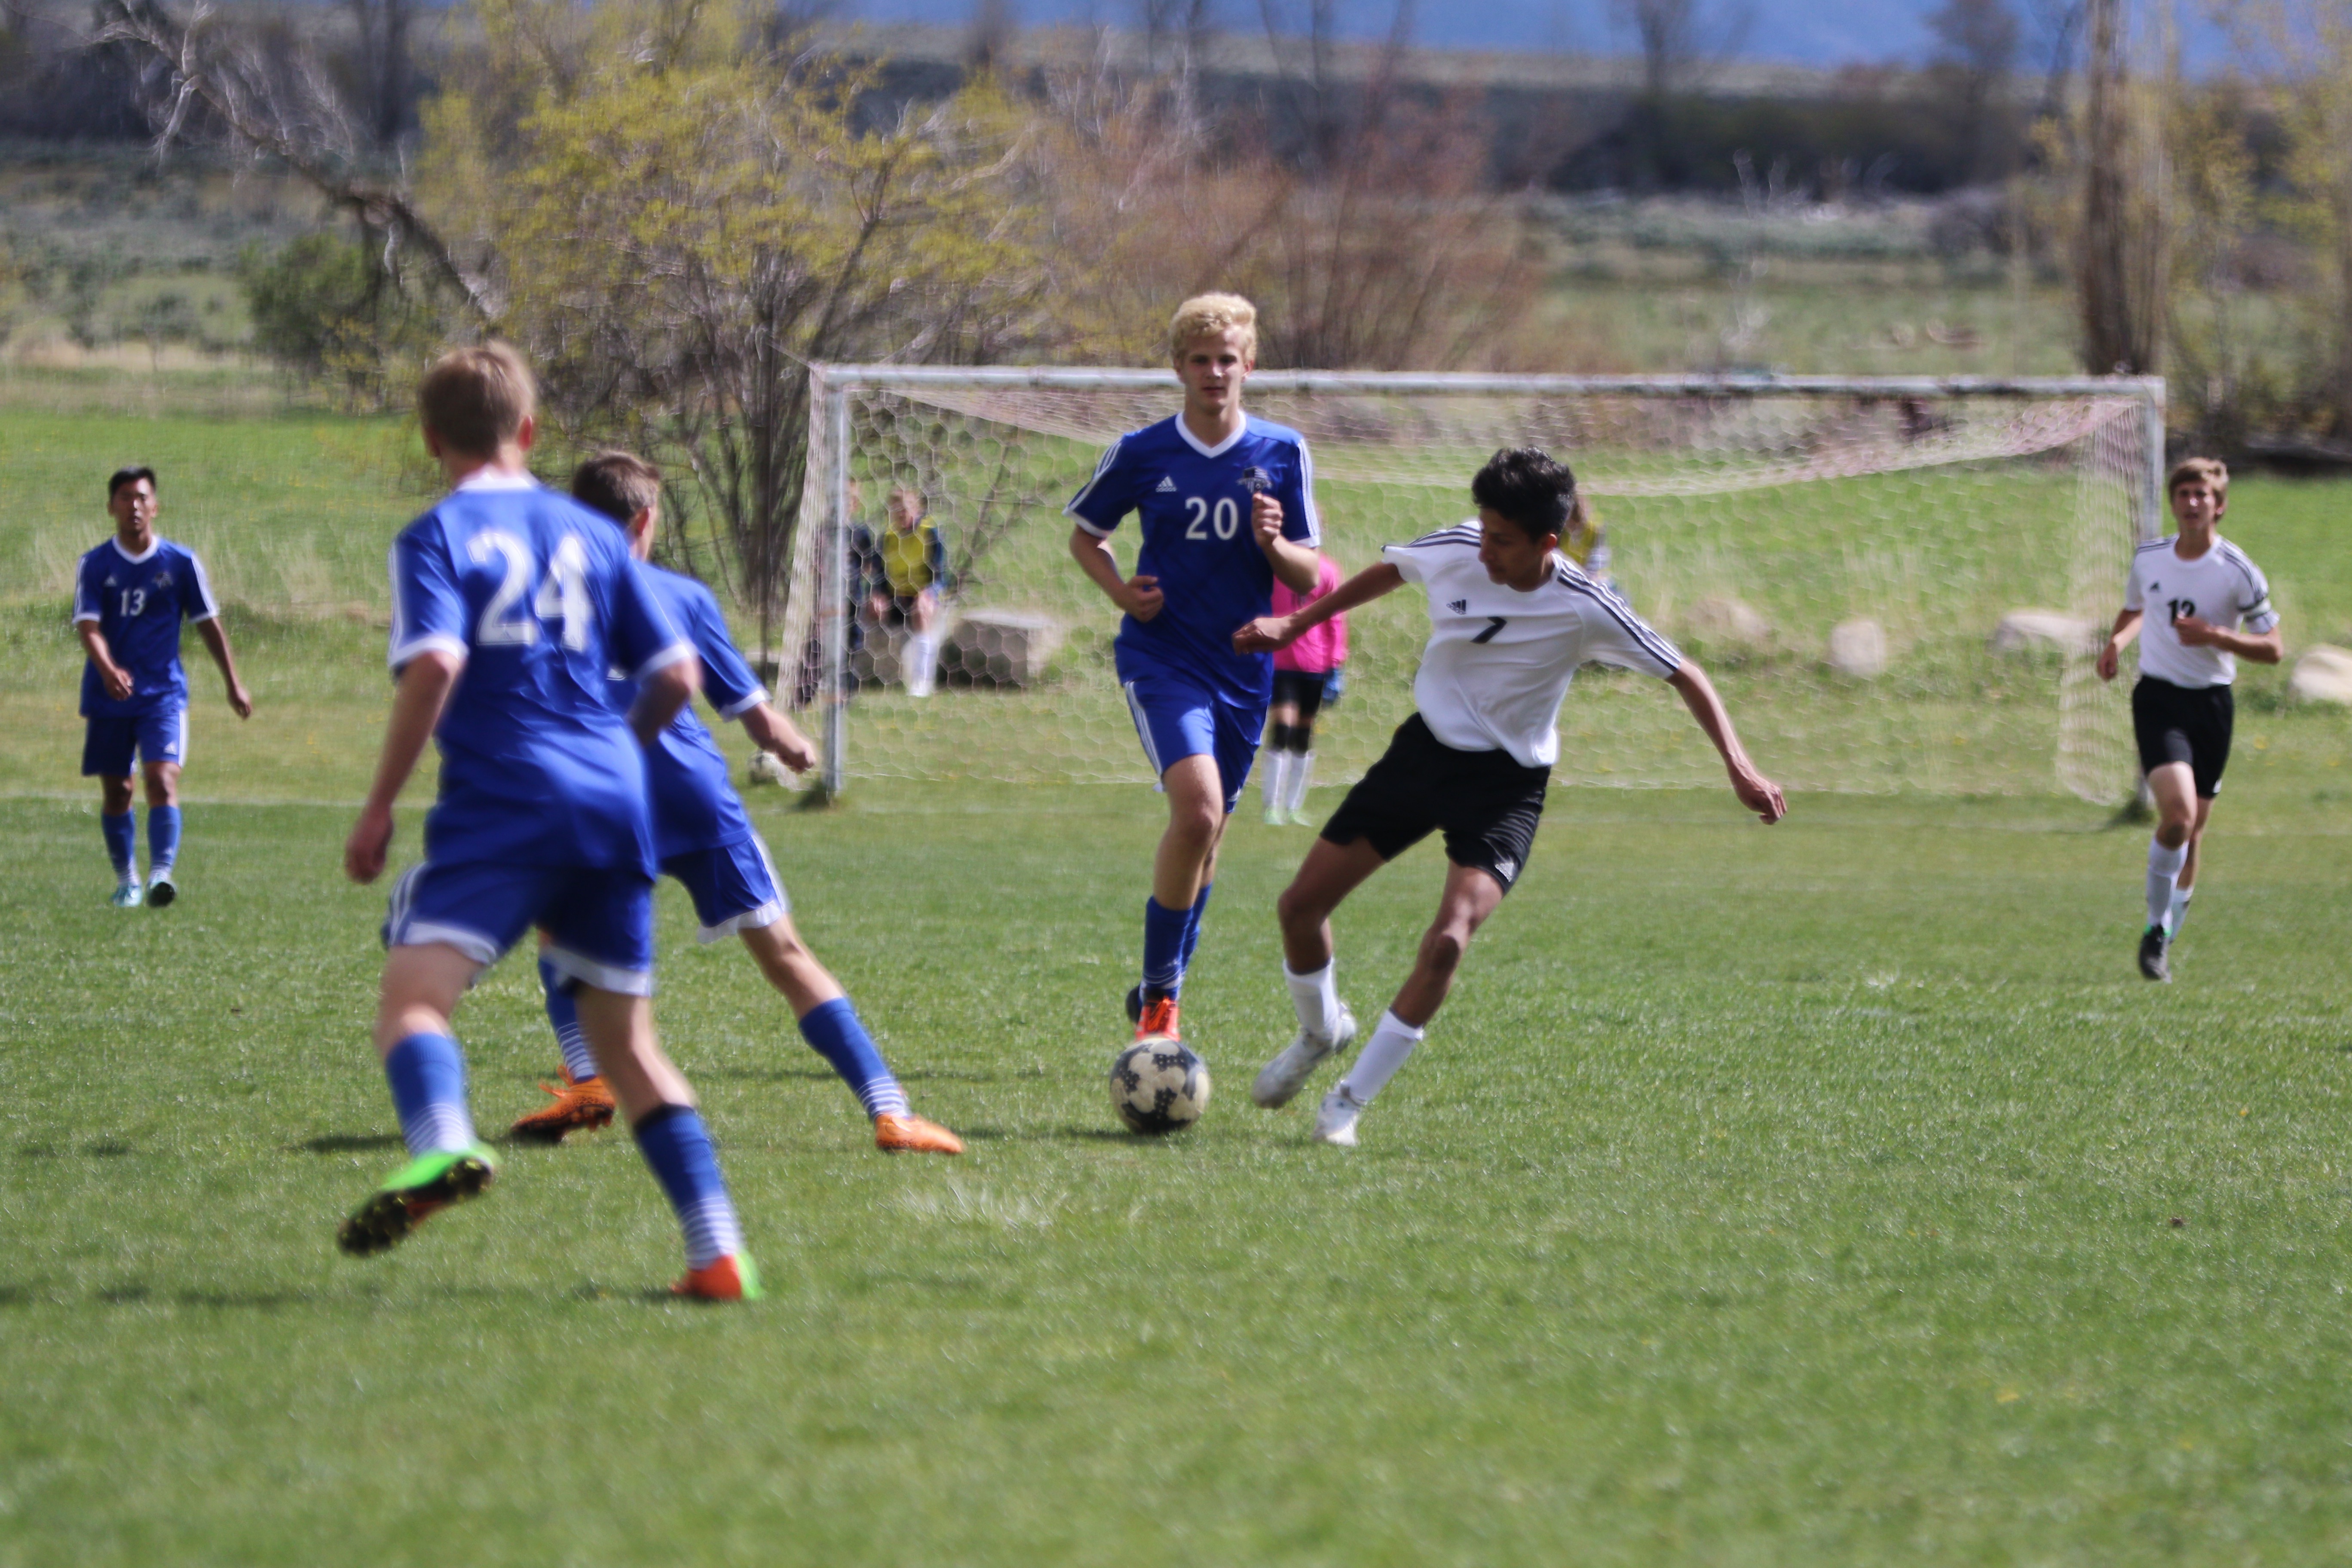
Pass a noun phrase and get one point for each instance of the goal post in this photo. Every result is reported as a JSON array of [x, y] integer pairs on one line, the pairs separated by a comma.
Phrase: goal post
[[1897, 581]]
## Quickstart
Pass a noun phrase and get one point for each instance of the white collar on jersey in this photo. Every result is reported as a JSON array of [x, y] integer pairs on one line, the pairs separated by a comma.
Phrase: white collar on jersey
[[491, 479], [1221, 448], [143, 556]]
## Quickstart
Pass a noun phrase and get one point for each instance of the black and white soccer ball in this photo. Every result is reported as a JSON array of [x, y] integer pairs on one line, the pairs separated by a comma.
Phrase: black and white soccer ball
[[1158, 1086]]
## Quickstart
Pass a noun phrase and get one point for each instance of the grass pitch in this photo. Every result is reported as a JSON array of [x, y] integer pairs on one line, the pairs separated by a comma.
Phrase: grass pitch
[[1830, 1194], [1792, 1196]]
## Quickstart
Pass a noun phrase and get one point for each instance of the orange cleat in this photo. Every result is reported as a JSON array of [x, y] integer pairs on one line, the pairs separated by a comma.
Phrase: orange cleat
[[913, 1134], [581, 1102], [733, 1277], [1159, 1021]]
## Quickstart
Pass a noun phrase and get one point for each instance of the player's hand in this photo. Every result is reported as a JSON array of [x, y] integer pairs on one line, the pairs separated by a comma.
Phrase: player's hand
[[1143, 597], [2195, 632], [776, 735], [1760, 794], [116, 680], [371, 841], [1265, 519], [2110, 660], [240, 698], [1264, 635]]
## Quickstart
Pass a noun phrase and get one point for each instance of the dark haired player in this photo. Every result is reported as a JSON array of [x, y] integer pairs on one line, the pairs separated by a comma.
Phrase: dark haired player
[[130, 595], [704, 838], [2181, 707], [1510, 620]]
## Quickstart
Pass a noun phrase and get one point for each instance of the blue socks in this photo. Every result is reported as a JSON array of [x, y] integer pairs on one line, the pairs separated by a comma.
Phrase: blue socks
[[564, 1012], [121, 843], [1164, 948], [163, 839], [428, 1089], [833, 1031], [1192, 923], [677, 1147]]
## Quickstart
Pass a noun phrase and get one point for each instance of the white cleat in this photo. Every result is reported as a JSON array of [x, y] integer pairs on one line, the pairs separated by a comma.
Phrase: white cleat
[[1336, 1123], [1287, 1073]]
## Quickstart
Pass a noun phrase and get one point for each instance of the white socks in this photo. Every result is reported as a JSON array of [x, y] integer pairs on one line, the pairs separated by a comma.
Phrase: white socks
[[1377, 1062], [2163, 872], [922, 663], [1277, 777], [1316, 998], [2180, 897], [1302, 774]]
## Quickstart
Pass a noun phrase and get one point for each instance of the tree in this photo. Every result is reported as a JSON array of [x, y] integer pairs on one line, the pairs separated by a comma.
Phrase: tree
[[1977, 47], [683, 223], [2120, 264]]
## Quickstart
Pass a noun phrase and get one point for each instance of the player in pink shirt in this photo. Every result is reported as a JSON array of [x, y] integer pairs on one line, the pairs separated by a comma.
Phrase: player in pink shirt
[[1306, 675]]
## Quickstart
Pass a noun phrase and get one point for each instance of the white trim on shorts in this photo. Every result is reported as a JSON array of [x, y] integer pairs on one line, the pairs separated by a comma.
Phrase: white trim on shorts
[[767, 914], [1142, 729], [603, 977], [474, 944]]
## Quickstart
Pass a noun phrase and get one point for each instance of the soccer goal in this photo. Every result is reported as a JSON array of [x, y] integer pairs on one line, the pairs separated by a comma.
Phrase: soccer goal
[[1898, 583]]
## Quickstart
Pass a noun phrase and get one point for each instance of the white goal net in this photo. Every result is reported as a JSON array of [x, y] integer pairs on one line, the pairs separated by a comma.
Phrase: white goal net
[[1897, 584]]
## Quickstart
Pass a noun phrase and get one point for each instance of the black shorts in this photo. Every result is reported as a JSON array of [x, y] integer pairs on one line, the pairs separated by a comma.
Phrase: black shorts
[[1486, 803], [1303, 689], [2184, 724]]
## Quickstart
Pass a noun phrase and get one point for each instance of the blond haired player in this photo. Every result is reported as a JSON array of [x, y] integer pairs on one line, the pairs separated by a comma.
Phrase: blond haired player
[[1226, 504], [2202, 589]]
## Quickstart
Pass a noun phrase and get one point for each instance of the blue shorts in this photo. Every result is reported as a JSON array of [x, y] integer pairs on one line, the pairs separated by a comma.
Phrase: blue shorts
[[1176, 717], [600, 919], [161, 736], [734, 886]]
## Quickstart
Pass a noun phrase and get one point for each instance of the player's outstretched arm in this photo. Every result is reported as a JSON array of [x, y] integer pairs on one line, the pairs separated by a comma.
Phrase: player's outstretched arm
[[779, 736], [1757, 793], [1268, 633], [110, 674], [216, 637], [2111, 654], [1139, 595], [426, 682]]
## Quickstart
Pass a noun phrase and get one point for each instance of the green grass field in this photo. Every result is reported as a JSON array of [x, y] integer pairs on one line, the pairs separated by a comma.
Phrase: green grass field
[[1830, 1194]]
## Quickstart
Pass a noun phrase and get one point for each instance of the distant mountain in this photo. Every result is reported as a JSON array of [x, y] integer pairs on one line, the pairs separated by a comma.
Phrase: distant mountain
[[1806, 32]]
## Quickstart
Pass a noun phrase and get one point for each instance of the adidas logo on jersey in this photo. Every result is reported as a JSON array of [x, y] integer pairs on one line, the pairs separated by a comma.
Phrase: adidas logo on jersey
[[1508, 868], [1457, 605], [1167, 485]]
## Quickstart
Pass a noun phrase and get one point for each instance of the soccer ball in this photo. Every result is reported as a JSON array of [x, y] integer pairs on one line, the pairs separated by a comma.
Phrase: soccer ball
[[766, 770], [1158, 1086]]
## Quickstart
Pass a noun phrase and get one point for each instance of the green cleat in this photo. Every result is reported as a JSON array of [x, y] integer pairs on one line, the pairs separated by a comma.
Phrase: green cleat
[[412, 1194], [128, 895]]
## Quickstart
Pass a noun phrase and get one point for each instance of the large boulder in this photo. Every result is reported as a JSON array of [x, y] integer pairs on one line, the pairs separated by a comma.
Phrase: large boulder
[[1721, 623], [2322, 675], [1858, 648], [2044, 631], [1000, 647]]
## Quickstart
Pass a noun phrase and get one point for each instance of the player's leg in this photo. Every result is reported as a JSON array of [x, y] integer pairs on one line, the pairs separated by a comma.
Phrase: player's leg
[[1299, 776], [421, 985], [2214, 720], [600, 925], [162, 750], [2173, 786], [2184, 887], [829, 1023], [584, 1099], [921, 668], [108, 748], [1281, 715], [1471, 895]]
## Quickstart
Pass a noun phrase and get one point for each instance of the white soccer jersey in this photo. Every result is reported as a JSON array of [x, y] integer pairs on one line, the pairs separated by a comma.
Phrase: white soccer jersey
[[1499, 661], [2221, 587]]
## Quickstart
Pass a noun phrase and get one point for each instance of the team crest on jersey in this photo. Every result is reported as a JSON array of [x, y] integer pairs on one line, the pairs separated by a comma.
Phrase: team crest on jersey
[[1167, 485], [163, 579], [1256, 481], [1457, 605]]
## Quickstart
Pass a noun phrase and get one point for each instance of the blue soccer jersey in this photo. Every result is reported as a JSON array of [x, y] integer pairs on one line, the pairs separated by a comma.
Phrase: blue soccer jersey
[[541, 597], [139, 602], [1194, 503], [694, 801]]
